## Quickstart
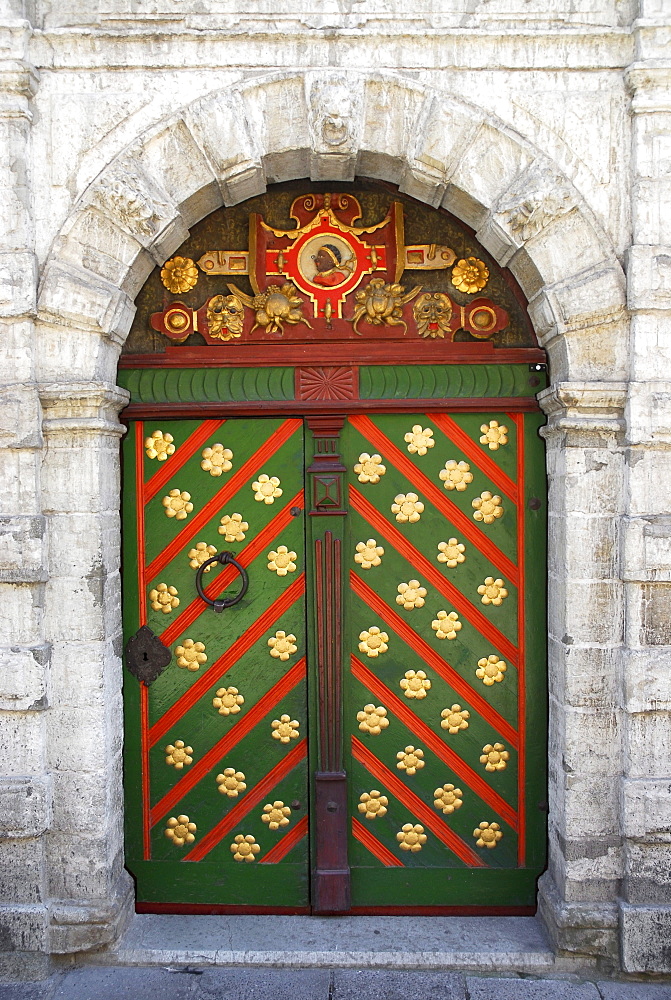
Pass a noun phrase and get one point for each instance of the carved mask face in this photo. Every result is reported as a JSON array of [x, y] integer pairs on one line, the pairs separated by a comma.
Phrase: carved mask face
[[433, 312], [225, 317], [336, 112]]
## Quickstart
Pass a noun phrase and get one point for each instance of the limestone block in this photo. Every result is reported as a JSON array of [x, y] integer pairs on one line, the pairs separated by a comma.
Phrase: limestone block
[[649, 469], [24, 678], [584, 676], [18, 281], [335, 108], [649, 412], [593, 481], [589, 806], [84, 867], [86, 674], [175, 160], [495, 239], [82, 608], [650, 217], [22, 740], [652, 146], [80, 797], [22, 549], [650, 345], [219, 125], [445, 128], [85, 925], [648, 875], [647, 549], [591, 547], [649, 614], [490, 163], [647, 679], [590, 298], [62, 350], [594, 877], [649, 277], [644, 935], [17, 338], [466, 208], [19, 475], [595, 611], [22, 871], [562, 243], [84, 739], [648, 744], [74, 297], [581, 928], [97, 545], [25, 806], [21, 610], [390, 114], [20, 417], [587, 741], [25, 927], [647, 811], [82, 477], [277, 115], [591, 353]]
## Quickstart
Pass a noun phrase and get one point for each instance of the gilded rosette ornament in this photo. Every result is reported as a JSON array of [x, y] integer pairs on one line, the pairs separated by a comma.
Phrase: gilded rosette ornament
[[191, 655], [491, 669], [199, 554], [231, 782], [492, 591], [415, 684], [494, 435], [276, 814], [410, 760], [177, 504], [282, 646], [373, 804], [178, 755], [368, 554], [285, 729], [179, 275], [411, 837], [164, 598], [470, 275], [411, 595], [447, 799], [369, 468], [487, 835], [454, 719], [228, 701], [456, 475], [159, 446], [180, 830], [233, 528], [281, 560], [407, 507], [419, 441], [487, 507], [446, 625], [244, 848], [216, 459], [495, 758], [266, 489], [372, 720], [373, 642]]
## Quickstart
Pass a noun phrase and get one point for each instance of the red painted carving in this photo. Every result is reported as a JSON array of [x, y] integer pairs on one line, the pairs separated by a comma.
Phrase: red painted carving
[[327, 383]]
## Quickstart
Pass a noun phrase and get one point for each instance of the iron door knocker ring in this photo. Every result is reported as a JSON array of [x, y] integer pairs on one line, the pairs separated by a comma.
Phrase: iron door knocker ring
[[226, 602]]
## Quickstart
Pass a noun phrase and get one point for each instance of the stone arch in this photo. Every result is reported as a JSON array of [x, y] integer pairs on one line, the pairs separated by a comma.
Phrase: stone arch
[[222, 149]]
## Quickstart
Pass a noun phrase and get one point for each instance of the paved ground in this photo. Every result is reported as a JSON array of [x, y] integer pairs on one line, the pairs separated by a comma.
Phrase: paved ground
[[108, 983]]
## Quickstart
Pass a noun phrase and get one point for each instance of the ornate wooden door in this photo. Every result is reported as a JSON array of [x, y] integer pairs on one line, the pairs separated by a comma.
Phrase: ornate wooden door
[[216, 743]]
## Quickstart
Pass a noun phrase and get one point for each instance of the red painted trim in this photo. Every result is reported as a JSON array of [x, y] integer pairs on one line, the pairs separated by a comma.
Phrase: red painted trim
[[230, 657], [228, 574], [193, 525], [372, 844], [242, 728], [424, 733], [415, 805], [218, 909], [521, 628], [474, 451], [436, 496], [183, 453], [286, 844], [432, 658], [425, 568], [443, 911], [251, 799]]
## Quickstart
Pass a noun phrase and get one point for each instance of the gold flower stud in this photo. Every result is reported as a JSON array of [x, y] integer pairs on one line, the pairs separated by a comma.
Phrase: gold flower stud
[[446, 625], [267, 489], [456, 475], [470, 275], [179, 275], [451, 552], [419, 441], [244, 848], [281, 560], [233, 528], [494, 435], [228, 701], [282, 646], [492, 591], [285, 729], [164, 598], [447, 799], [415, 684], [178, 755], [491, 669], [495, 758], [177, 505], [487, 835], [454, 719], [407, 507], [180, 830], [410, 760], [216, 459], [159, 446], [199, 554], [231, 782], [373, 804], [368, 554], [369, 468], [372, 720], [487, 507], [411, 837], [411, 595], [276, 814], [190, 655], [373, 641]]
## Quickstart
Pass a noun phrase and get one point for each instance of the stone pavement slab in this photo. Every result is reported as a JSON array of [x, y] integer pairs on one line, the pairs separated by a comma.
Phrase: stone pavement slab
[[491, 988], [126, 984], [264, 984], [634, 991], [390, 984]]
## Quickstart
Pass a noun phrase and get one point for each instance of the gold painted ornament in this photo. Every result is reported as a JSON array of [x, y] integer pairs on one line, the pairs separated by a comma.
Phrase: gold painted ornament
[[495, 758], [180, 830], [274, 307], [446, 625], [373, 642], [282, 646], [491, 669], [415, 684], [433, 312], [419, 441], [488, 507], [447, 799], [411, 595], [159, 446], [451, 552], [454, 719], [225, 317], [410, 760], [281, 560], [492, 591], [381, 304], [231, 782], [285, 729], [177, 505], [369, 468], [456, 475], [470, 275], [373, 804], [244, 848], [411, 837], [372, 720], [216, 460], [199, 554], [487, 835], [267, 489], [494, 435], [190, 655], [164, 598], [233, 528], [407, 507], [276, 814], [179, 275], [368, 554], [228, 701], [178, 755]]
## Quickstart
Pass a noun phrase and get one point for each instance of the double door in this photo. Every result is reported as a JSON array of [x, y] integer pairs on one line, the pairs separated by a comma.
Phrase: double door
[[362, 727]]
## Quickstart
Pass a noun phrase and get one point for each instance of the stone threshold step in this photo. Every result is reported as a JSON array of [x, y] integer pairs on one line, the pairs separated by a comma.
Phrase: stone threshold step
[[474, 944]]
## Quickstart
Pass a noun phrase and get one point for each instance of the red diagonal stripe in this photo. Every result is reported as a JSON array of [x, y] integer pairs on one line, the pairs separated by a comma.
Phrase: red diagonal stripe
[[226, 661], [473, 451], [415, 805], [222, 580], [431, 573], [372, 844], [252, 798], [286, 844], [242, 727], [438, 497], [424, 733], [197, 521], [183, 453], [432, 658]]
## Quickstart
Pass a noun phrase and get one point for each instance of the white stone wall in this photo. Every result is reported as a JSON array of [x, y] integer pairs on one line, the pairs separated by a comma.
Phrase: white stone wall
[[543, 124]]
